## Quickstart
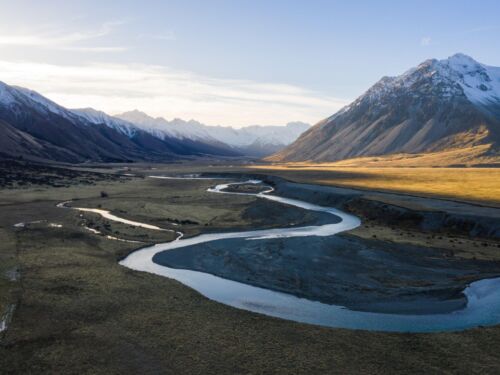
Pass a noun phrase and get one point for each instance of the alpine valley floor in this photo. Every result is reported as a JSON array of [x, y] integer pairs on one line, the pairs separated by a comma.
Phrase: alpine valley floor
[[71, 308]]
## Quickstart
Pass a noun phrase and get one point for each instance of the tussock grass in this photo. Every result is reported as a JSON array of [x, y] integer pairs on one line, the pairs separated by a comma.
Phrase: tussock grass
[[479, 185]]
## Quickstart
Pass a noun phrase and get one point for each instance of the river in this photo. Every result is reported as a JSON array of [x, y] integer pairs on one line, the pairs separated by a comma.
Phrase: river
[[483, 297]]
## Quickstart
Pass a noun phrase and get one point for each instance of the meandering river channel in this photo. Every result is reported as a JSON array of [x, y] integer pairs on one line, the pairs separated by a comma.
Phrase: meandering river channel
[[483, 297]]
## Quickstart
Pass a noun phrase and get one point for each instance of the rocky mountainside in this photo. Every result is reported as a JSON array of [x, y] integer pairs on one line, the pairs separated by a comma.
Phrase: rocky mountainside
[[439, 105], [180, 145], [33, 127]]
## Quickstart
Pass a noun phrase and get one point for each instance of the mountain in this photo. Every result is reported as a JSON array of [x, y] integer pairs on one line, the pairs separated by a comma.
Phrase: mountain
[[143, 135], [254, 140], [34, 127], [441, 105], [261, 140]]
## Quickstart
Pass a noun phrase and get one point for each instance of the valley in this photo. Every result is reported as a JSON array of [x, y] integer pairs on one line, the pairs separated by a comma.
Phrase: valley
[[249, 188], [71, 291]]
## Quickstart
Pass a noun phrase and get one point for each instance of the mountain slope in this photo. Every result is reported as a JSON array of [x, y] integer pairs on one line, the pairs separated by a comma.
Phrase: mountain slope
[[57, 133], [439, 105], [82, 135], [53, 125], [156, 138], [16, 143]]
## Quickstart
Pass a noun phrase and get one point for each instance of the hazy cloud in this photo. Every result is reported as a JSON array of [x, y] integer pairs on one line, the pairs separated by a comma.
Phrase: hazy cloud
[[95, 49], [56, 38], [161, 91]]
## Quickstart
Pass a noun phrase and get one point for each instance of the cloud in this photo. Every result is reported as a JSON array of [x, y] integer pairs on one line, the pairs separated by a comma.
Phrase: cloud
[[95, 49], [425, 41], [62, 39], [161, 91]]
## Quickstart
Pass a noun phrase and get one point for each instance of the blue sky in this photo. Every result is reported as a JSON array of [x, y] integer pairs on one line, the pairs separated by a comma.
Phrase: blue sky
[[231, 62]]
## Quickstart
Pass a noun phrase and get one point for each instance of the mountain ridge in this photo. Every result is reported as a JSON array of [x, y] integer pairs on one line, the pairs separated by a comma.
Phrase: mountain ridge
[[252, 140], [56, 133], [62, 135], [438, 105]]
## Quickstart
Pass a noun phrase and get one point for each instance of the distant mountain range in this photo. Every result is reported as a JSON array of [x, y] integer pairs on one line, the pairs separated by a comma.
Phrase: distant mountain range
[[253, 140], [449, 109], [439, 106], [34, 127]]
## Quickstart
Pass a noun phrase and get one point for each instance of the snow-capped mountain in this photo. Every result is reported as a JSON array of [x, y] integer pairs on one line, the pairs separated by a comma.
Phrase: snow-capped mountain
[[480, 83], [439, 105], [176, 128], [94, 116], [254, 140], [14, 97], [160, 129], [33, 126]]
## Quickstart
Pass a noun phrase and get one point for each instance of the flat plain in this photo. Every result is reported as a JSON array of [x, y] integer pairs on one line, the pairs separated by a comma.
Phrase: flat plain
[[479, 185], [76, 310]]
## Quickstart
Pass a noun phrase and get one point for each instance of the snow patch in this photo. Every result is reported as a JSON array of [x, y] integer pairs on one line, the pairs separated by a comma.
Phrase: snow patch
[[480, 83], [194, 130], [98, 117], [455, 76]]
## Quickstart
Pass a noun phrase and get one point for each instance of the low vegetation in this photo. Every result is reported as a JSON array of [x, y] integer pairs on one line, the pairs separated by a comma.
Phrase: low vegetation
[[478, 185], [79, 311], [22, 174]]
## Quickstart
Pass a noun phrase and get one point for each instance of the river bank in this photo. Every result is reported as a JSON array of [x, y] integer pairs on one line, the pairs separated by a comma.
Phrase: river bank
[[371, 276], [81, 312]]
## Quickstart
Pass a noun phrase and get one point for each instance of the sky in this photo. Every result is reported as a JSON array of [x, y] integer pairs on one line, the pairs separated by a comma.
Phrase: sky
[[232, 63]]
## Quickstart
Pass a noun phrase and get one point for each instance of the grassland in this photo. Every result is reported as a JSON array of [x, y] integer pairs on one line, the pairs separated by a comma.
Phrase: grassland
[[78, 311], [478, 185], [472, 156]]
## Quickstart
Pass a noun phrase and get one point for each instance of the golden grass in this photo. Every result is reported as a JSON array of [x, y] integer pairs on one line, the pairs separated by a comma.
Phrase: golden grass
[[470, 184], [463, 157]]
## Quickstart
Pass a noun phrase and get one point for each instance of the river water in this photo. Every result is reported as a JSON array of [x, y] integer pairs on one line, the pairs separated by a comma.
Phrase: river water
[[483, 297]]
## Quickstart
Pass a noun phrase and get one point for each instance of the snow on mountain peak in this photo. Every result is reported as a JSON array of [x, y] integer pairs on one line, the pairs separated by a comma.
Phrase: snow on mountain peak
[[15, 96], [461, 61], [242, 137], [480, 83], [135, 116], [98, 117], [19, 100], [43, 101], [457, 75], [176, 128], [6, 96]]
